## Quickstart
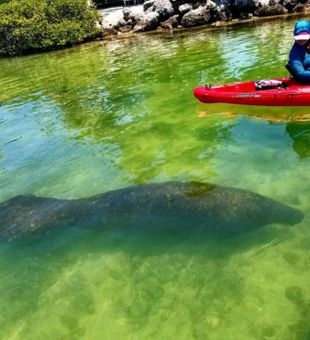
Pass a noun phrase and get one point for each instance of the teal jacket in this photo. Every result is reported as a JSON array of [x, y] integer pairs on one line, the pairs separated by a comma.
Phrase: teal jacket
[[299, 61], [299, 57]]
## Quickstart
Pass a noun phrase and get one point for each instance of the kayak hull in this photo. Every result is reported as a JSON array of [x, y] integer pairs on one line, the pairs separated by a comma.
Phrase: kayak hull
[[246, 93]]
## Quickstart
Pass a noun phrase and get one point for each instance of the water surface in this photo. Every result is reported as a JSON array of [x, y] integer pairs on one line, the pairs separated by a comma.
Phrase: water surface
[[107, 115]]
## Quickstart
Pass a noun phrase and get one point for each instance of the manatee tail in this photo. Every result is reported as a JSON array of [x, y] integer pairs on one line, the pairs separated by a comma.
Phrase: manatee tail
[[12, 216], [30, 214]]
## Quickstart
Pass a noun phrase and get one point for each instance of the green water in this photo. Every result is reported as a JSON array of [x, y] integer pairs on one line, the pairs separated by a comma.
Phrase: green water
[[103, 116]]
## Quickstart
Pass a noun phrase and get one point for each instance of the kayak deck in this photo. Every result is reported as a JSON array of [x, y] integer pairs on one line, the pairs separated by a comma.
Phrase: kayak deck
[[275, 92]]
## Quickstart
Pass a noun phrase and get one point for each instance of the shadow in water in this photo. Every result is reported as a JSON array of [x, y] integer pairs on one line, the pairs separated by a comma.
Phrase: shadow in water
[[81, 242], [300, 134], [300, 329], [134, 269]]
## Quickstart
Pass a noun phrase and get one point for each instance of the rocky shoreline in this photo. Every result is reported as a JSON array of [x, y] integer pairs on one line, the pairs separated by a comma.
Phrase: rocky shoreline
[[176, 15]]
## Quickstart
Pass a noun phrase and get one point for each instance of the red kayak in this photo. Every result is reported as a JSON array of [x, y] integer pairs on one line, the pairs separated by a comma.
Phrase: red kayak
[[274, 92]]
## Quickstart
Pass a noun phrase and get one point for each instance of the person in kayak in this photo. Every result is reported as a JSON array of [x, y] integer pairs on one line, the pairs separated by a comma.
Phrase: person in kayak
[[299, 57]]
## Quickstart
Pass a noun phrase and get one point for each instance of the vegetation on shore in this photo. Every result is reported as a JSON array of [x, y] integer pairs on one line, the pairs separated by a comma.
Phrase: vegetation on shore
[[35, 25]]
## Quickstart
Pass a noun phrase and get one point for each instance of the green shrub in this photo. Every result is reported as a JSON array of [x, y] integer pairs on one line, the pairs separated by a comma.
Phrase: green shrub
[[33, 25]]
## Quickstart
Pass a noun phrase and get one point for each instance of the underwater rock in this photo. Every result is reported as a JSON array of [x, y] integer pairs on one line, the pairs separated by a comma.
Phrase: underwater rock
[[164, 207]]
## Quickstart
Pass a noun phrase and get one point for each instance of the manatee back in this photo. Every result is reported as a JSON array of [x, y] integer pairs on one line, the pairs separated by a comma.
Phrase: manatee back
[[193, 205]]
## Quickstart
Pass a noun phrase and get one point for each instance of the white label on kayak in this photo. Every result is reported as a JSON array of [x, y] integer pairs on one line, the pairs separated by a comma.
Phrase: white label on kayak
[[247, 95]]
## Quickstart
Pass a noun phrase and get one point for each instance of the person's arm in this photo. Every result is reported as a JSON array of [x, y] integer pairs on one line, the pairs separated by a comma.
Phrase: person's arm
[[297, 66]]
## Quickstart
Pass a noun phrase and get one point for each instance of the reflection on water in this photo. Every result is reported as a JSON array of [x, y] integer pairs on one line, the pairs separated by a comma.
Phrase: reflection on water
[[104, 116], [300, 134]]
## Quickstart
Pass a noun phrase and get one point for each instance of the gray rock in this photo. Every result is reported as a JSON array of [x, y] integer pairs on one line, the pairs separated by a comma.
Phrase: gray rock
[[272, 10], [290, 4], [112, 19], [170, 23], [238, 6], [273, 2], [210, 4], [109, 32], [148, 22], [217, 12], [259, 3], [132, 15], [148, 16], [164, 9], [299, 8], [196, 17], [184, 9], [136, 17], [125, 29], [147, 4], [127, 13]]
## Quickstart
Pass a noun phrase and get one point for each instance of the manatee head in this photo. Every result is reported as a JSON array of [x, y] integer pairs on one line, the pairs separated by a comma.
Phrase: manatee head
[[284, 214], [251, 210], [234, 210]]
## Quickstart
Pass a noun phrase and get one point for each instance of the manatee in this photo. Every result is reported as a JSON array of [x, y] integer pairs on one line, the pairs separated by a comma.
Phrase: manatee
[[170, 206]]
